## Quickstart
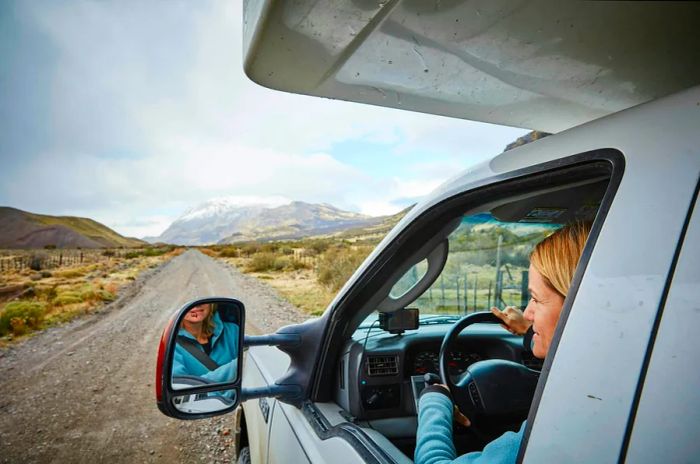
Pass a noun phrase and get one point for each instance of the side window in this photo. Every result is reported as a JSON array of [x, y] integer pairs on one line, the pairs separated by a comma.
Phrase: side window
[[487, 265]]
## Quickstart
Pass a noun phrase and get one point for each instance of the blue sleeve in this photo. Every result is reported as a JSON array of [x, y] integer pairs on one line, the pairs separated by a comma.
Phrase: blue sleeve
[[434, 443], [222, 374]]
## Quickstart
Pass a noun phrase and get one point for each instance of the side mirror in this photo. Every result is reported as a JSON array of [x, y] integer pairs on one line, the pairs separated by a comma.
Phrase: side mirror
[[199, 367]]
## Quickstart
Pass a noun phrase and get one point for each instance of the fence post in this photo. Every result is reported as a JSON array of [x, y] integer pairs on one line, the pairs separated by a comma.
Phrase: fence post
[[488, 300], [459, 299], [466, 297], [442, 290]]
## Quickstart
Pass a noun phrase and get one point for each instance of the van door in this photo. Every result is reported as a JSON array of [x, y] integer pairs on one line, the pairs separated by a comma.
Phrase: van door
[[664, 425]]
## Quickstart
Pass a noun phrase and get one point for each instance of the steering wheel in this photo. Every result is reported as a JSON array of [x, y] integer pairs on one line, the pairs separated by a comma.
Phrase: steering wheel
[[490, 388]]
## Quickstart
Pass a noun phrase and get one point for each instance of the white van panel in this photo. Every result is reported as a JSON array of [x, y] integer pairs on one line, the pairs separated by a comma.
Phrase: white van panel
[[589, 393], [301, 442], [670, 400]]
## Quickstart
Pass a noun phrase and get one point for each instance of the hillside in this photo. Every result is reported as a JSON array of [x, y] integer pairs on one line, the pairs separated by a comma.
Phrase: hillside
[[21, 229], [372, 233], [226, 221]]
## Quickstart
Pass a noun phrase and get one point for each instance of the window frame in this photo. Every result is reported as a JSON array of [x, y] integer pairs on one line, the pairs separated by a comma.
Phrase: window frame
[[471, 196]]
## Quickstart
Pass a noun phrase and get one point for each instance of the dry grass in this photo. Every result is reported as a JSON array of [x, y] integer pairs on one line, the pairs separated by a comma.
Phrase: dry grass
[[30, 300], [302, 289], [307, 273]]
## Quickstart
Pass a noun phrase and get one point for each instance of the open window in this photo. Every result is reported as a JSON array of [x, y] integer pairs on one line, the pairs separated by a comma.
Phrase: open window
[[465, 254]]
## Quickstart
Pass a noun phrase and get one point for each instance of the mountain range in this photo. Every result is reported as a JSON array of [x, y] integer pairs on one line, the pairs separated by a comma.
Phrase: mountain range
[[223, 220], [20, 229]]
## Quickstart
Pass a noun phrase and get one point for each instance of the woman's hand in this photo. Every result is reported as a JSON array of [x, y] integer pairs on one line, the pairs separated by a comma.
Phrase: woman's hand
[[513, 320], [460, 418]]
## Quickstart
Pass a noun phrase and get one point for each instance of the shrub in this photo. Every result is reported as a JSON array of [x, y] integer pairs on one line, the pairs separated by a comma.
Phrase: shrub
[[46, 293], [155, 251], [229, 252], [262, 262], [67, 298], [250, 249], [269, 248], [337, 265], [295, 265], [90, 293], [71, 273], [316, 247], [108, 253], [19, 317], [36, 262]]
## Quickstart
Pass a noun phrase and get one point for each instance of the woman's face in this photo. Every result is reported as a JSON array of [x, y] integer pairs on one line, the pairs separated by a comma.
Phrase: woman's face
[[543, 311], [197, 313]]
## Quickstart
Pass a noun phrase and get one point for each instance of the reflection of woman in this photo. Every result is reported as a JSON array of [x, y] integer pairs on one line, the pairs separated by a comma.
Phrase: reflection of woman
[[552, 265], [202, 329]]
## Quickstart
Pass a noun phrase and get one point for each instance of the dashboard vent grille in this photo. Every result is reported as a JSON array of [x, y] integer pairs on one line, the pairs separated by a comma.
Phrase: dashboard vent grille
[[382, 365]]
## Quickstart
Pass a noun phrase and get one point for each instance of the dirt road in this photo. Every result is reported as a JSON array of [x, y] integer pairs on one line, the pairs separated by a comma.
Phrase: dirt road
[[84, 392]]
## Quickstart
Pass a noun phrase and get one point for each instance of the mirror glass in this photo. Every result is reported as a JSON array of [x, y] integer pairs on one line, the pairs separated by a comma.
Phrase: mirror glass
[[409, 279], [198, 403], [206, 350]]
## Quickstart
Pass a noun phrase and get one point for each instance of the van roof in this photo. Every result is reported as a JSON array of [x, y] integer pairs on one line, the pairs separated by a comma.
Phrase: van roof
[[540, 65]]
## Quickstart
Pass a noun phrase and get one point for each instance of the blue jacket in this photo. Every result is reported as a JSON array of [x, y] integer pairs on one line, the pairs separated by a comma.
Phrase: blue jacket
[[434, 441], [224, 350]]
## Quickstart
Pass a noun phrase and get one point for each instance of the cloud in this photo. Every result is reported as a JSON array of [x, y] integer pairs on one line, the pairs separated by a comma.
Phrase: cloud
[[132, 112]]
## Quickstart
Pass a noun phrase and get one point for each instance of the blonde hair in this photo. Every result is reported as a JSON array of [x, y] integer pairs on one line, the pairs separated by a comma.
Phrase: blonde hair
[[208, 323], [557, 256]]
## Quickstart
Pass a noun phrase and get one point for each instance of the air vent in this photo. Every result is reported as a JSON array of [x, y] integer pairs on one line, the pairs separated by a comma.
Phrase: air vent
[[382, 365]]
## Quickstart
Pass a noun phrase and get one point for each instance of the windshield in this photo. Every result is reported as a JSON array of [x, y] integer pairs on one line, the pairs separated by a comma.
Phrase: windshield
[[487, 266]]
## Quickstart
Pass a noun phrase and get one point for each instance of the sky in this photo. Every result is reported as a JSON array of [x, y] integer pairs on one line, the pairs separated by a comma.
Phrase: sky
[[131, 113]]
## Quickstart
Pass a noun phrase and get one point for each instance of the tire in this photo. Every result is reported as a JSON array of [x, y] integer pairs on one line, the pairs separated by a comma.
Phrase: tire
[[244, 456]]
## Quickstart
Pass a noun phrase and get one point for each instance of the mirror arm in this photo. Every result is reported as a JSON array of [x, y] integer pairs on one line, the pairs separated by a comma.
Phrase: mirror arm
[[272, 340], [285, 392]]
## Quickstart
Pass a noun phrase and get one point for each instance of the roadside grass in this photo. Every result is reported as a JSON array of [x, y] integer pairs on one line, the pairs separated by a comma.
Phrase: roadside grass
[[307, 273], [31, 301]]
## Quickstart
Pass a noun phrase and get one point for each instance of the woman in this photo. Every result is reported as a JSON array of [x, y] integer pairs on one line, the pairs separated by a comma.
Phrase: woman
[[202, 329], [552, 265]]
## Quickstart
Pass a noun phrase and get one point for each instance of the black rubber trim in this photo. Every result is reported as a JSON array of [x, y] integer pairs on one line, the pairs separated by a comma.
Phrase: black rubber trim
[[618, 167], [368, 450], [655, 328]]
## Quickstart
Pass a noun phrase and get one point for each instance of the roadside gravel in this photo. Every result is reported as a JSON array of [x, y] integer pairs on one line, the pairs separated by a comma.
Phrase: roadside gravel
[[84, 392]]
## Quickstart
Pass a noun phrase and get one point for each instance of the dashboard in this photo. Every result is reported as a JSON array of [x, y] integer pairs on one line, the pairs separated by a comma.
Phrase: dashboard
[[427, 360], [380, 374]]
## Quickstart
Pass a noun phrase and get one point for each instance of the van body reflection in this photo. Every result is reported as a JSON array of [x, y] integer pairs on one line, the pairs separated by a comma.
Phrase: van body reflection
[[206, 351]]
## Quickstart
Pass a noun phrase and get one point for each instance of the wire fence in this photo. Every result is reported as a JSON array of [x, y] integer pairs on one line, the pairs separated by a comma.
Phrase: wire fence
[[17, 260]]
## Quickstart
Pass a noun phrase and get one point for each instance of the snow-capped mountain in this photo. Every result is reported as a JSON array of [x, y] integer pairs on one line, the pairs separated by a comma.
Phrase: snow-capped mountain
[[227, 220]]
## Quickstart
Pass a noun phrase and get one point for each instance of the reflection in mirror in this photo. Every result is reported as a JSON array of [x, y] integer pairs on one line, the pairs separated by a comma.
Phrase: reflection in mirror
[[206, 351], [205, 402], [409, 279]]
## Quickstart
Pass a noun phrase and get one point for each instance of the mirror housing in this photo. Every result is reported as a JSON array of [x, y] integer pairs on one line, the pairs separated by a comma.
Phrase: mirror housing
[[209, 390]]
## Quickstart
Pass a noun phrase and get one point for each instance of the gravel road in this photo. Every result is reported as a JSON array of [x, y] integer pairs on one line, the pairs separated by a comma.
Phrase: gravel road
[[84, 392]]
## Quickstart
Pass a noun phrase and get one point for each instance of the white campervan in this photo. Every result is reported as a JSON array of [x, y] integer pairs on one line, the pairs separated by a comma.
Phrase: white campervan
[[617, 82]]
